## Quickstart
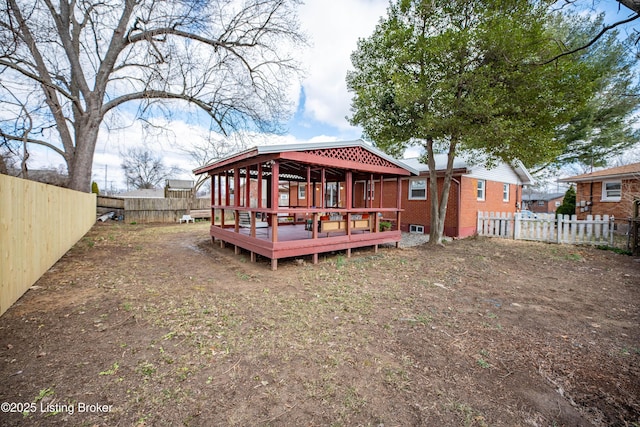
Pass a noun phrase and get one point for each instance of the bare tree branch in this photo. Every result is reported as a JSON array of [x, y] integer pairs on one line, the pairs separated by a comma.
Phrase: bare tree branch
[[74, 61]]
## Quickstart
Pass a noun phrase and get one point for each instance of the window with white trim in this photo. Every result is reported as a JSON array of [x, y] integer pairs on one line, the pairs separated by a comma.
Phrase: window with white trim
[[370, 190], [611, 191], [481, 187], [505, 192], [302, 191], [417, 189], [416, 229]]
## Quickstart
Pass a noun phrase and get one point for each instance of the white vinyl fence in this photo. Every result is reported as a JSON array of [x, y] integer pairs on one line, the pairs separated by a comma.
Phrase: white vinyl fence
[[548, 228]]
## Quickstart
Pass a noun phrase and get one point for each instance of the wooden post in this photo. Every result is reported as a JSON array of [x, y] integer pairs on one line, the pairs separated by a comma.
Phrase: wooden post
[[349, 192], [323, 184], [381, 188], [398, 204], [247, 189], [308, 191], [259, 185], [314, 226], [227, 195], [275, 194], [274, 264]]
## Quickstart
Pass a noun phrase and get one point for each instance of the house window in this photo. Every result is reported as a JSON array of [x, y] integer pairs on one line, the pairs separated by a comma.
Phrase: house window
[[302, 191], [370, 190], [505, 192], [416, 229], [331, 195], [481, 184], [540, 202], [611, 191], [558, 204], [417, 189]]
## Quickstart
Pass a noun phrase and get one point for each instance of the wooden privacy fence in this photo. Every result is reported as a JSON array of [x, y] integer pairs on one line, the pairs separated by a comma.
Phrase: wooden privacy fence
[[147, 210], [548, 228], [38, 224]]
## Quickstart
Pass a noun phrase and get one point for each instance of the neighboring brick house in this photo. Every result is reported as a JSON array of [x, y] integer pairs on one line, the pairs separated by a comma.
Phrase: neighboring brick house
[[541, 202], [607, 192]]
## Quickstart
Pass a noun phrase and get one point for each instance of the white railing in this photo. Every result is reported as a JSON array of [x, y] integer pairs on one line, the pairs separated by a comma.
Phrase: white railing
[[548, 228]]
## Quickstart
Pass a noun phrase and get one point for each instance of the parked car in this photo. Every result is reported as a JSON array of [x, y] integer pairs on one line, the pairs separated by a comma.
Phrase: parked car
[[525, 213]]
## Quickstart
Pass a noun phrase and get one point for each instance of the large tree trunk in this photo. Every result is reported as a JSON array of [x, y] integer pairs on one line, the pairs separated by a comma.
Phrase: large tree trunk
[[81, 163], [439, 201]]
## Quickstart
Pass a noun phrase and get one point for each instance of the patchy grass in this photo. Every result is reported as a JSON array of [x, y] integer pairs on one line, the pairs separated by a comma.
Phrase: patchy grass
[[170, 330]]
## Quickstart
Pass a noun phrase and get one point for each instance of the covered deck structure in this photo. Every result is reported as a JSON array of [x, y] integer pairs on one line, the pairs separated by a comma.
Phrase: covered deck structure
[[305, 199]]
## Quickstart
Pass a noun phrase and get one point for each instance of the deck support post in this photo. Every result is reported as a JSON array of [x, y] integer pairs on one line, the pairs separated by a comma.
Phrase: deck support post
[[236, 250], [315, 258], [375, 248], [348, 252], [274, 264], [222, 244], [253, 257]]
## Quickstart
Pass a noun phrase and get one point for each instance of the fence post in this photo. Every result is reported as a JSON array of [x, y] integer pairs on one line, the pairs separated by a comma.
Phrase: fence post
[[559, 231]]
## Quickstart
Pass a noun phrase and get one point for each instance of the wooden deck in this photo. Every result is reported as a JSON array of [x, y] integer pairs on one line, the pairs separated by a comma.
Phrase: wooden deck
[[294, 240]]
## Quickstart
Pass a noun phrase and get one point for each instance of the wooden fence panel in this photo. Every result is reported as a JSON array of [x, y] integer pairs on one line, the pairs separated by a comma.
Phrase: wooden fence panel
[[147, 210], [590, 231], [548, 228], [38, 224], [110, 202], [541, 228], [495, 225]]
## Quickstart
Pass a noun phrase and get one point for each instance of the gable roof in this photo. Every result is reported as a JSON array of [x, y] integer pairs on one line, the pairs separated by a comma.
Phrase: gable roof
[[179, 184], [283, 149], [463, 167], [541, 196], [626, 171]]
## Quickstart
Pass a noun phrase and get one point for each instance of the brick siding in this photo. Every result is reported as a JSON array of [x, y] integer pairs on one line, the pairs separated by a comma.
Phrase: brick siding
[[592, 192]]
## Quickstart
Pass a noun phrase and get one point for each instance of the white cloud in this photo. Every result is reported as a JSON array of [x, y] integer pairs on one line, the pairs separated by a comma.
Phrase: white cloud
[[333, 27]]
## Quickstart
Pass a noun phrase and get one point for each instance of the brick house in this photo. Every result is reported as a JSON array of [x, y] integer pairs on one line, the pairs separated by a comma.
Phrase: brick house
[[607, 192], [473, 189], [541, 202]]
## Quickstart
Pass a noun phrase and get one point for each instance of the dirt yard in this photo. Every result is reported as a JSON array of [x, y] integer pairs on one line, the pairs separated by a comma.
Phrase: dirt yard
[[155, 326]]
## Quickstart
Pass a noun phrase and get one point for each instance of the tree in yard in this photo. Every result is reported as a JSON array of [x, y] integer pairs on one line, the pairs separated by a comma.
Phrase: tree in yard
[[71, 64], [465, 77], [568, 206], [607, 124], [143, 169]]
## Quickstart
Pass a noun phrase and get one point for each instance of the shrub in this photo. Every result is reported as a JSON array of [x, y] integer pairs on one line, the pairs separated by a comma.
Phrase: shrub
[[568, 206]]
